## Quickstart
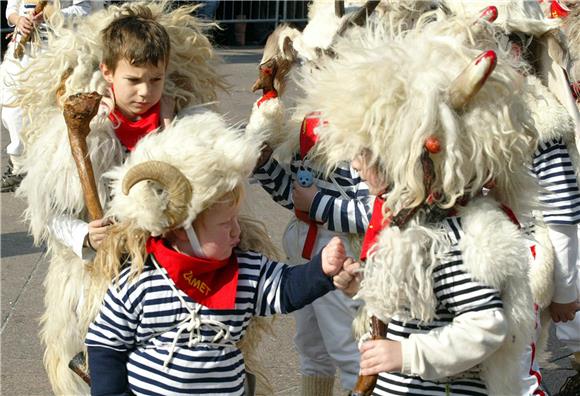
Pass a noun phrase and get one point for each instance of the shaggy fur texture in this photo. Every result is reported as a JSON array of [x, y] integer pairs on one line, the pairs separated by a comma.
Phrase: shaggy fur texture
[[213, 157], [572, 29], [495, 253], [513, 15], [52, 186], [192, 77], [398, 278], [401, 84]]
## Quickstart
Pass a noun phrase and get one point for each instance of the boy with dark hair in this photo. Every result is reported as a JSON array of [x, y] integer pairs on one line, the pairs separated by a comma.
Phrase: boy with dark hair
[[131, 43]]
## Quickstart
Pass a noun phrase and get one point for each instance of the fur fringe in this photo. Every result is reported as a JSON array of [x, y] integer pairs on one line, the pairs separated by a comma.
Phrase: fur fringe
[[495, 253]]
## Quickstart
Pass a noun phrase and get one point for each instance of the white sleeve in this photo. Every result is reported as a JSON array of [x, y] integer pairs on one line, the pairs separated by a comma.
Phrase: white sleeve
[[12, 8], [72, 233], [78, 8], [564, 238], [455, 348]]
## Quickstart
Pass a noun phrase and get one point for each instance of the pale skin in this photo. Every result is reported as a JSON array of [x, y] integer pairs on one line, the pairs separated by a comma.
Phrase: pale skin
[[218, 232], [137, 89], [25, 23]]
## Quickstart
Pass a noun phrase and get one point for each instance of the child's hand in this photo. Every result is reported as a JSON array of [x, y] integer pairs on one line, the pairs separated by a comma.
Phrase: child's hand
[[303, 196], [107, 104], [563, 312], [98, 230], [379, 356], [24, 24], [348, 280], [333, 256], [265, 154]]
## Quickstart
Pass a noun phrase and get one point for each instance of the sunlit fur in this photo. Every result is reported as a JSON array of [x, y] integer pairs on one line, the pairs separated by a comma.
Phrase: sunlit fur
[[192, 76], [51, 186], [396, 97]]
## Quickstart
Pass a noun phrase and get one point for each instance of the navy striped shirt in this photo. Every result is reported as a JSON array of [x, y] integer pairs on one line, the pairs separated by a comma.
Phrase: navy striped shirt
[[553, 168], [456, 293], [138, 322], [342, 203]]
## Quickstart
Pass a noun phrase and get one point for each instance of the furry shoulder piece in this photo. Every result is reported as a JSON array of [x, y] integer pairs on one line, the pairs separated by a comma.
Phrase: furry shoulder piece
[[572, 29], [213, 158], [513, 15], [52, 187], [70, 63], [398, 278], [401, 83]]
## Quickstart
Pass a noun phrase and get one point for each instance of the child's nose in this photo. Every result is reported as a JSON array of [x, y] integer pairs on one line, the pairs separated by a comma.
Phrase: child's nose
[[144, 90], [236, 231]]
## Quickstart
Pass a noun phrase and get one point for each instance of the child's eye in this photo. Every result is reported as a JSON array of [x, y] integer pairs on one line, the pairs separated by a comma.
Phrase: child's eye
[[133, 80]]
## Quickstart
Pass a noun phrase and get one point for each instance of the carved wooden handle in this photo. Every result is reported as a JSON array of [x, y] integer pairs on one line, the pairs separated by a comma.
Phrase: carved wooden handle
[[366, 383], [19, 50], [79, 110]]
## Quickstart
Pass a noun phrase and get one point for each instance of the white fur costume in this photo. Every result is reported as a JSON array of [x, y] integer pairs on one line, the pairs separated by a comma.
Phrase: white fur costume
[[52, 188], [402, 83]]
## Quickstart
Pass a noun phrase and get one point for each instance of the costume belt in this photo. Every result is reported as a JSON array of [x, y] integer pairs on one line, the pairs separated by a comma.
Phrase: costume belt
[[310, 240]]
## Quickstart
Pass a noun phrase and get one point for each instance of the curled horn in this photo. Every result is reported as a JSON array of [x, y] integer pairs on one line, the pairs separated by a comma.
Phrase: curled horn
[[339, 8], [360, 16], [174, 182], [471, 79]]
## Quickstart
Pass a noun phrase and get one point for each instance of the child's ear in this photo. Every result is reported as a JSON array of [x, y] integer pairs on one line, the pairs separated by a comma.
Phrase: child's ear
[[107, 73]]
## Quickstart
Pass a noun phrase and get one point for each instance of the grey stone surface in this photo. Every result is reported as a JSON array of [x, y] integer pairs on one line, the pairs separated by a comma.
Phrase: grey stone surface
[[23, 268]]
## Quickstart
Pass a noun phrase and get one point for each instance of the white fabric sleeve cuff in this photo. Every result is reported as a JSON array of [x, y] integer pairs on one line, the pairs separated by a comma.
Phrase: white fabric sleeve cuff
[[72, 233], [564, 239], [455, 348]]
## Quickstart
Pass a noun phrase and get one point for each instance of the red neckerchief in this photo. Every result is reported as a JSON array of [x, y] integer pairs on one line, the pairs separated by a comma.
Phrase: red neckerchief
[[130, 132], [376, 225], [557, 10], [211, 283]]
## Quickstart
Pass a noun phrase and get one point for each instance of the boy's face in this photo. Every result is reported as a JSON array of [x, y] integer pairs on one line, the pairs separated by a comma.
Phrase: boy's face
[[218, 231], [137, 88]]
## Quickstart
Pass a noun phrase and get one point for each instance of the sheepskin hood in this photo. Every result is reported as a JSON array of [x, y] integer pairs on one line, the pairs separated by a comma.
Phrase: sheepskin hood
[[213, 158]]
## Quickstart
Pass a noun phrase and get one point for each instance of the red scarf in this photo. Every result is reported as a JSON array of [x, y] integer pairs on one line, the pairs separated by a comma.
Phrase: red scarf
[[130, 132], [375, 227], [211, 283]]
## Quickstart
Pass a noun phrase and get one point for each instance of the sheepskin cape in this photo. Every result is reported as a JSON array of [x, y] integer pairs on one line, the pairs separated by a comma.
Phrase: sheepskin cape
[[398, 279]]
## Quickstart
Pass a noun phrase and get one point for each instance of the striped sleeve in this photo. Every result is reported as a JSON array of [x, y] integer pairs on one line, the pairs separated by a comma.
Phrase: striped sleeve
[[555, 173], [277, 181], [349, 211], [284, 289], [116, 324]]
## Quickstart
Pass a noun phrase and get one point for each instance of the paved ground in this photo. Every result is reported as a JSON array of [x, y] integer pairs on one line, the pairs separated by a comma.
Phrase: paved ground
[[23, 269]]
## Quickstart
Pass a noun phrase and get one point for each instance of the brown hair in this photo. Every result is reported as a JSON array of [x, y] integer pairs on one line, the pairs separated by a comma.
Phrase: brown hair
[[136, 37]]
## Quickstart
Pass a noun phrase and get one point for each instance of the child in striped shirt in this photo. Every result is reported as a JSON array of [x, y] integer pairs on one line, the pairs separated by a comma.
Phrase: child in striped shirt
[[172, 324], [337, 204]]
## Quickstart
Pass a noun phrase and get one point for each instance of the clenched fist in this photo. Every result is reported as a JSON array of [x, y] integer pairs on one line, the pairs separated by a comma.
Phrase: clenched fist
[[333, 257], [348, 280]]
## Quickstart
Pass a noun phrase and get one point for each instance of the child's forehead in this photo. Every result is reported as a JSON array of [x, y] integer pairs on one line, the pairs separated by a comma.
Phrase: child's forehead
[[125, 66]]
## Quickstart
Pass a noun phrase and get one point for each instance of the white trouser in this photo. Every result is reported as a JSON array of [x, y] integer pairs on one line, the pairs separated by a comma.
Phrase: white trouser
[[530, 376], [565, 241], [324, 328], [12, 117]]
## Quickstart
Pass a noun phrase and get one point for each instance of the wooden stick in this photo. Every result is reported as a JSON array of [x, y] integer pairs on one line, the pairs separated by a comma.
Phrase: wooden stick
[[79, 110], [366, 383], [19, 50]]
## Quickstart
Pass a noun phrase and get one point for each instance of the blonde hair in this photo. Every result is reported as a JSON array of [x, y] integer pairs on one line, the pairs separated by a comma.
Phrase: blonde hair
[[125, 243]]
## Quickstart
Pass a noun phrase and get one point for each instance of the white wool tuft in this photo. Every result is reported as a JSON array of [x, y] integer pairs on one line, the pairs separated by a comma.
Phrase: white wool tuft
[[513, 15], [496, 253], [400, 83], [213, 157]]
